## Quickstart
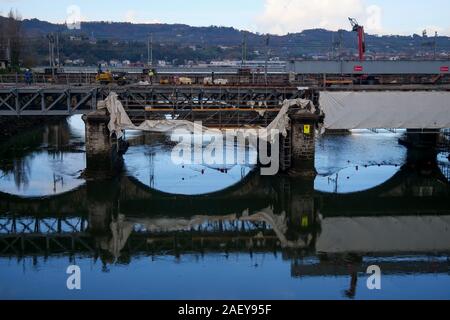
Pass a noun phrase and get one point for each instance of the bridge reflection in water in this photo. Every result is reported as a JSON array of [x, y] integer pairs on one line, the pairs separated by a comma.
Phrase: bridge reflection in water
[[320, 233]]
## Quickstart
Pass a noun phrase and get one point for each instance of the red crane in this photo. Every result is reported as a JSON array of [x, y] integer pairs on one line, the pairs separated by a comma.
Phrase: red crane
[[361, 38]]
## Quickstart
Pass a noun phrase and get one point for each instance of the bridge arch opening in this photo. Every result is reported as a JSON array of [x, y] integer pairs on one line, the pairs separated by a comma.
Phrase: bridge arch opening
[[149, 161]]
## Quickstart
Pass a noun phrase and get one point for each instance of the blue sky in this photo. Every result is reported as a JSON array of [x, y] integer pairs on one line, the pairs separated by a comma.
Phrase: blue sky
[[275, 16]]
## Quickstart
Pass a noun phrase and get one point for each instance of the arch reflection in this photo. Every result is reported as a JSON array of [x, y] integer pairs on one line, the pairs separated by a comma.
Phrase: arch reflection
[[45, 161]]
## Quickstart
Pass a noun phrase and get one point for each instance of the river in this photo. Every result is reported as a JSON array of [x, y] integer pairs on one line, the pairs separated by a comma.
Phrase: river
[[165, 231]]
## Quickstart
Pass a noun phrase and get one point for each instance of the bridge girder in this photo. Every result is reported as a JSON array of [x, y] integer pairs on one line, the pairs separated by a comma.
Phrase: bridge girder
[[143, 102]]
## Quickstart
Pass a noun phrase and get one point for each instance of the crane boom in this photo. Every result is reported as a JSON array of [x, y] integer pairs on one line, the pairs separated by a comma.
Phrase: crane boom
[[361, 37]]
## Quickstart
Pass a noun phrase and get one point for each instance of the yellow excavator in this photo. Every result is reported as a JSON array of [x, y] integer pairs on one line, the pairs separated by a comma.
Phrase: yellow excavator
[[107, 77]]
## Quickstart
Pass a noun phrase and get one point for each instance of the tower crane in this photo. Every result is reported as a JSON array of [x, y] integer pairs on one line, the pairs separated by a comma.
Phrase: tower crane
[[361, 37]]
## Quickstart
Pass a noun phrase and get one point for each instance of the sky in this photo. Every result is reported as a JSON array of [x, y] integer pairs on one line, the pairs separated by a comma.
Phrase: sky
[[264, 16]]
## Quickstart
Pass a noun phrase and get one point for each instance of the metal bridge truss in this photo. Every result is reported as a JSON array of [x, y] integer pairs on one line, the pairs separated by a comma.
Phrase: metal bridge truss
[[24, 236], [20, 235], [42, 102], [217, 106], [214, 106]]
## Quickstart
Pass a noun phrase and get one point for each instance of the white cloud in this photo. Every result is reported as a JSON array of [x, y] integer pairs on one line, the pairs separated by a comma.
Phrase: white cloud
[[283, 16], [74, 17], [374, 19]]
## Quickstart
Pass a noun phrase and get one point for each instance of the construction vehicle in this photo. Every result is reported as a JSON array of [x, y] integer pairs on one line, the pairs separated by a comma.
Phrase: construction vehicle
[[361, 38], [107, 77]]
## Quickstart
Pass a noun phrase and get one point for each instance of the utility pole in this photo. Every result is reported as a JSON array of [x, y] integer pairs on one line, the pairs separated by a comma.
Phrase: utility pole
[[51, 52], [150, 50], [333, 47], [435, 45], [8, 51], [57, 49], [267, 58], [244, 50]]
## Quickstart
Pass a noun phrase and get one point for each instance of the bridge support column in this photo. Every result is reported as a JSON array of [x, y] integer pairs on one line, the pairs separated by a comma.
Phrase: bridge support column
[[102, 155], [303, 144]]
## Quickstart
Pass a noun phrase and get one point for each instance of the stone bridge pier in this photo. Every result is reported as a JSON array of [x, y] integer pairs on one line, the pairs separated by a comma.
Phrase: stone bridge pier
[[103, 150], [303, 144]]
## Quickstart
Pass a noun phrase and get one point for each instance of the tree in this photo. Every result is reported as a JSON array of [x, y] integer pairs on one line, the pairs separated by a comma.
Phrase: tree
[[11, 37]]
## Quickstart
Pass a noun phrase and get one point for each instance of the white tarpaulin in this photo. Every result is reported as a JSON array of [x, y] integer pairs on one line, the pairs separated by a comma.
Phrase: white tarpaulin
[[120, 121], [388, 109]]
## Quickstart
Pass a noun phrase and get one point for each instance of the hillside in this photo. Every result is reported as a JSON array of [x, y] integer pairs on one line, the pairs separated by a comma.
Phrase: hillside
[[182, 42]]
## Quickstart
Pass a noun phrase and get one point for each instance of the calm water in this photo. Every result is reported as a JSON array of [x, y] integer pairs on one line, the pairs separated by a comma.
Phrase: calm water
[[161, 231]]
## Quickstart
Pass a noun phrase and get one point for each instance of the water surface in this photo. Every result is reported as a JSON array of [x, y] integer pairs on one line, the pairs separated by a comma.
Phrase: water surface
[[165, 231]]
